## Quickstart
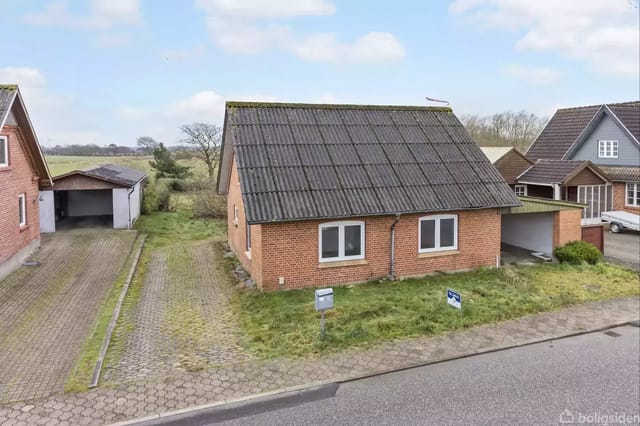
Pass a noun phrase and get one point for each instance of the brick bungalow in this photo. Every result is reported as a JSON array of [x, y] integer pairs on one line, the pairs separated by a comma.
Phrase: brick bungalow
[[22, 171], [335, 194]]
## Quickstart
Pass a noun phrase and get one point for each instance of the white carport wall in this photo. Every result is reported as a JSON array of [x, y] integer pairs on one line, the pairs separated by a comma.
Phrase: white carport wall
[[126, 206], [47, 212]]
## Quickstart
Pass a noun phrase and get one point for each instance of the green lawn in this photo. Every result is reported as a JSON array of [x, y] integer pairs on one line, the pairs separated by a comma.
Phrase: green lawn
[[286, 324]]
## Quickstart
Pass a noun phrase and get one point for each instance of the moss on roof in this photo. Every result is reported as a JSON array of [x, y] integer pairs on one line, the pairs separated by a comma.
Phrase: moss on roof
[[249, 104], [8, 87]]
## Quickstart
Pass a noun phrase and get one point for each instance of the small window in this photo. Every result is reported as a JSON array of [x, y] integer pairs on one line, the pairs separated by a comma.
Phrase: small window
[[633, 194], [521, 190], [341, 241], [22, 209], [4, 151], [607, 149], [235, 214], [438, 233]]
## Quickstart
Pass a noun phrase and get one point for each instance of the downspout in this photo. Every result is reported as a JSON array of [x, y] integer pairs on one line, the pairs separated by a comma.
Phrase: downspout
[[129, 206], [392, 269]]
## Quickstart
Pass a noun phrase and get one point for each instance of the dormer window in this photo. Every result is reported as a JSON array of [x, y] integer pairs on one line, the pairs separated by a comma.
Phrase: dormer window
[[607, 149], [4, 151]]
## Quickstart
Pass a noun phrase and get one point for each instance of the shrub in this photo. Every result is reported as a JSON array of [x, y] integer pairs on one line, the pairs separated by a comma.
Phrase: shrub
[[206, 203], [577, 252], [156, 196]]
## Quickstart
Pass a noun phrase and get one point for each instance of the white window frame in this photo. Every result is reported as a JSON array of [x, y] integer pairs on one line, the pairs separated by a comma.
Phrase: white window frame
[[6, 151], [636, 188], [235, 215], [341, 225], [521, 187], [607, 148], [437, 218], [22, 209]]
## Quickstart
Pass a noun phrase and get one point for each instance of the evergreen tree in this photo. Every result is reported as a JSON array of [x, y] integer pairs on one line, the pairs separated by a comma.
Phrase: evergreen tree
[[166, 166]]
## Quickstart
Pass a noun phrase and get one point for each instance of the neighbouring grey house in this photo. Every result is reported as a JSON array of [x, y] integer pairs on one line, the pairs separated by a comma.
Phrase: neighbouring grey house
[[107, 193], [605, 136]]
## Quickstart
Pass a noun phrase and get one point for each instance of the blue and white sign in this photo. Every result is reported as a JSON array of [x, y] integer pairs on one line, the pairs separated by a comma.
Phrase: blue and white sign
[[454, 298]]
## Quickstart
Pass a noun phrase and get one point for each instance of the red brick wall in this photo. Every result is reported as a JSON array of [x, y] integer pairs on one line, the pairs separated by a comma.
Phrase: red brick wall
[[237, 232], [566, 227], [290, 250], [16, 179], [620, 198]]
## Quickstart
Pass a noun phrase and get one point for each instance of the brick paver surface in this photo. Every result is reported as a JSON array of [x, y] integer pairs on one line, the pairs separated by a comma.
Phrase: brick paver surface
[[47, 311], [148, 397], [181, 322]]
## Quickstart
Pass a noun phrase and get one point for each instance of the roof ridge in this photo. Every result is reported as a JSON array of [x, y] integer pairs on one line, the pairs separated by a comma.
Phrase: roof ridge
[[626, 103], [242, 104]]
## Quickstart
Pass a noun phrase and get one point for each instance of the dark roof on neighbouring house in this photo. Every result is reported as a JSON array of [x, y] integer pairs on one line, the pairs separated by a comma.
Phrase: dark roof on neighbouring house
[[568, 124], [7, 95], [301, 161], [556, 171], [11, 100], [110, 173], [622, 174]]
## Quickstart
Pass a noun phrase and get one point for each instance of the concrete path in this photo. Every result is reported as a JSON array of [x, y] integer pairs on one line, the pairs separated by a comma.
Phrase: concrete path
[[181, 322], [151, 397], [47, 311]]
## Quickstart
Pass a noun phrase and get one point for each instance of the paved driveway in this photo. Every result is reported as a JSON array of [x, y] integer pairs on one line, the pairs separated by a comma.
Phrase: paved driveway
[[623, 248], [47, 311]]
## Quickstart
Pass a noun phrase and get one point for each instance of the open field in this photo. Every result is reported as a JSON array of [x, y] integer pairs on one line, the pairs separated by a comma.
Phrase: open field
[[59, 164]]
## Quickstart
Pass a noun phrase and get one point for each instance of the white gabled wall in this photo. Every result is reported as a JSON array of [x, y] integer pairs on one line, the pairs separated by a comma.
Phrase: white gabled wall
[[47, 212], [126, 207]]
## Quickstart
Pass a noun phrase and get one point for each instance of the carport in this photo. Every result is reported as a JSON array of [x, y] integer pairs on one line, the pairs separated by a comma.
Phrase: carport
[[540, 224], [102, 196]]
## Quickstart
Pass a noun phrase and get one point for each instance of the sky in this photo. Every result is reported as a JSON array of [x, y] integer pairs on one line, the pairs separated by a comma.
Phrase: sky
[[109, 71]]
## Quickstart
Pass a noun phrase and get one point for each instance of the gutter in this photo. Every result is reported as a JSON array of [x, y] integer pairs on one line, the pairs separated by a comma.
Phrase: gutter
[[392, 268]]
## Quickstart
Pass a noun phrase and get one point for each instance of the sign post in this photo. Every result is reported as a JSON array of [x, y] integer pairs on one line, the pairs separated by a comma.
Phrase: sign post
[[324, 301]]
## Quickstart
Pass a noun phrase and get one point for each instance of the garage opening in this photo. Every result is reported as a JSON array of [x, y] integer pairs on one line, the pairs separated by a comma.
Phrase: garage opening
[[83, 209]]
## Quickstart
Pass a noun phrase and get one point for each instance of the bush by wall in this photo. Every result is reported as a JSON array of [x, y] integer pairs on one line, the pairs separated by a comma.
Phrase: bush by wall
[[577, 252]]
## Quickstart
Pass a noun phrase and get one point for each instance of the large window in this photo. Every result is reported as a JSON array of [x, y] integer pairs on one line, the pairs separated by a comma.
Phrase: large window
[[521, 190], [22, 209], [341, 241], [438, 233], [607, 149], [4, 151], [633, 194]]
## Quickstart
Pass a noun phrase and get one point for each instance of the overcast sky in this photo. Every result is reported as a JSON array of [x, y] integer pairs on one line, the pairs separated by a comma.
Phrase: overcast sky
[[108, 71]]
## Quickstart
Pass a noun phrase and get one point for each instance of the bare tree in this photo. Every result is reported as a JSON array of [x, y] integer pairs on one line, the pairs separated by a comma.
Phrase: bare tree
[[509, 128], [206, 140], [147, 144]]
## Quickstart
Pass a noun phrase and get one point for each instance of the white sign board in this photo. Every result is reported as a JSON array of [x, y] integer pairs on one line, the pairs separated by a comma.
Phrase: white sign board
[[454, 298]]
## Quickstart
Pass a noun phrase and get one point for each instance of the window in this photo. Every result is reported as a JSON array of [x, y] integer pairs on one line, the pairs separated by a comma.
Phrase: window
[[341, 241], [438, 233], [235, 215], [521, 190], [22, 209], [607, 149], [633, 194], [4, 151]]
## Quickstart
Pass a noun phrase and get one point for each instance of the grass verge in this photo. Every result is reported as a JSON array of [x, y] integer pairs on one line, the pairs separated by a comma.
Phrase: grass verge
[[285, 324], [82, 371]]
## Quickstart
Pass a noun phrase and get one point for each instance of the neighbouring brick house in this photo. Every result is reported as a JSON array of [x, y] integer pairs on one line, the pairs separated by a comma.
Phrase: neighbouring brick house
[[22, 171], [511, 163], [335, 194], [608, 137]]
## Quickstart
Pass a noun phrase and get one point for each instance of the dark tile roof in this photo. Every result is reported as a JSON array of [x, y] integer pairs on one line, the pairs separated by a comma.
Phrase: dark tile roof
[[116, 174], [110, 173], [629, 114], [551, 171], [299, 161], [622, 174], [7, 95], [567, 125]]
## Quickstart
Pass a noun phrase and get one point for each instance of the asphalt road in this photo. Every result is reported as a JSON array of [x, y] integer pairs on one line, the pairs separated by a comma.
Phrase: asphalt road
[[623, 248], [594, 376]]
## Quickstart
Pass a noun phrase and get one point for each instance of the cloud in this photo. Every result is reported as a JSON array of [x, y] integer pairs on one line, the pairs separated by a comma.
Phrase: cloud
[[247, 27], [603, 33], [260, 9], [25, 77], [533, 75], [203, 106]]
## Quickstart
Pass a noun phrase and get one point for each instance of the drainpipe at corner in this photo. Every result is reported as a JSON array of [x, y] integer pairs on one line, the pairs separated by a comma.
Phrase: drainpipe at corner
[[129, 206], [392, 269]]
